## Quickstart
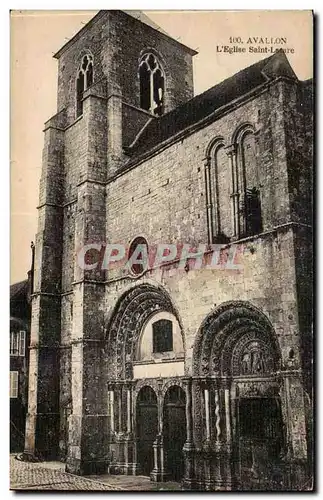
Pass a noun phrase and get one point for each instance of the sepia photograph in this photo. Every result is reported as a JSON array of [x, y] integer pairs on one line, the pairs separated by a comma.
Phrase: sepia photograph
[[161, 278]]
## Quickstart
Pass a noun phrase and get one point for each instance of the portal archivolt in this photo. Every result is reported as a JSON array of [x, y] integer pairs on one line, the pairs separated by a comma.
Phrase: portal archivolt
[[236, 339], [131, 313]]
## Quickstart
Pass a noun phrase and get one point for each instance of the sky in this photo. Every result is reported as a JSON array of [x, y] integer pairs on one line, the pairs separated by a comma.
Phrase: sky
[[37, 35]]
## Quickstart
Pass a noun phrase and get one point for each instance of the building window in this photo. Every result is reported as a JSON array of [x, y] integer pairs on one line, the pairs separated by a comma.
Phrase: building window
[[250, 222], [162, 336], [233, 198], [152, 85], [83, 82], [218, 194], [13, 384], [138, 255], [17, 343], [253, 211]]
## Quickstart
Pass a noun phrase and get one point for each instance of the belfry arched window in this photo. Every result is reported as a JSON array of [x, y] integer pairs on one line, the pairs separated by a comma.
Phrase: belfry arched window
[[152, 84], [84, 81]]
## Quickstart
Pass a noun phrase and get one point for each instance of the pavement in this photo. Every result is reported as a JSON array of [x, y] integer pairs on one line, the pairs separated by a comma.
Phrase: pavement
[[51, 476], [136, 483]]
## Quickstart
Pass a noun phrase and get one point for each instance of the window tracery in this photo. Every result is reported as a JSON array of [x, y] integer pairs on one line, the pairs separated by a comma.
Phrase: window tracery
[[83, 82], [152, 84]]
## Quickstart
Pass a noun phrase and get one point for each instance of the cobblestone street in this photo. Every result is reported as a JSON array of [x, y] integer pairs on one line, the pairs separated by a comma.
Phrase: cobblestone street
[[48, 476], [51, 476]]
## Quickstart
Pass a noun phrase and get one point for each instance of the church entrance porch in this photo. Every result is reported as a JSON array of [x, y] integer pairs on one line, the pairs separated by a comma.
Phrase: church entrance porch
[[243, 412], [154, 446], [145, 376], [231, 420]]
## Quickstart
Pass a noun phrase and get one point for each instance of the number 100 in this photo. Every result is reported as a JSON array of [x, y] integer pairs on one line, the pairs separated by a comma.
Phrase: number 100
[[235, 39]]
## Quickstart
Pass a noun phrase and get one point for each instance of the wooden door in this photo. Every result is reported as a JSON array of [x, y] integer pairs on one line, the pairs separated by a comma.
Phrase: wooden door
[[174, 431], [260, 434], [147, 428]]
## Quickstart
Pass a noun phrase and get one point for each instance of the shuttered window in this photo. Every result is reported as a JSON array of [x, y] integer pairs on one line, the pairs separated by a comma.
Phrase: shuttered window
[[17, 343], [162, 336], [13, 384]]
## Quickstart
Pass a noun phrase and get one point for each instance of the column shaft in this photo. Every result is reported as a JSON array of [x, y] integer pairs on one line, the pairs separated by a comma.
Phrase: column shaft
[[227, 415], [207, 413], [112, 410], [128, 410]]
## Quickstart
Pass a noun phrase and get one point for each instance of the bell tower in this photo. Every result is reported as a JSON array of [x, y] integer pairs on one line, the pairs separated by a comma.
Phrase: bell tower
[[117, 73], [131, 53]]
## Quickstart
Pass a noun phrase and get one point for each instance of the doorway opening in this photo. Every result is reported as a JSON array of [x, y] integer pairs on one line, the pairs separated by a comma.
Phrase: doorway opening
[[147, 428], [174, 431], [260, 435]]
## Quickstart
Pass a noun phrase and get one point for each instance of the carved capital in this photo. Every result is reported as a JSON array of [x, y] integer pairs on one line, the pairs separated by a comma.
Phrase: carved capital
[[207, 161], [225, 382], [187, 382], [231, 150]]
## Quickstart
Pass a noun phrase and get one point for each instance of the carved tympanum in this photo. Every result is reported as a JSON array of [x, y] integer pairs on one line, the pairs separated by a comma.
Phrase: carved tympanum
[[236, 339]]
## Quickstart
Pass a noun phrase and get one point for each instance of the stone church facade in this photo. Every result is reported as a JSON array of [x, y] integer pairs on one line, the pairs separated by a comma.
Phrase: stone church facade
[[202, 375]]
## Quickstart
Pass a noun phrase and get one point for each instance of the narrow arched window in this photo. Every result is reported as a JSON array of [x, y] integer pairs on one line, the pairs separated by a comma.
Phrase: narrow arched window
[[79, 93], [220, 174], [83, 82], [152, 84], [250, 203], [218, 194]]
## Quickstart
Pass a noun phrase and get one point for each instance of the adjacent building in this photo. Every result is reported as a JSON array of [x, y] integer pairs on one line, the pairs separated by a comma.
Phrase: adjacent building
[[20, 311]]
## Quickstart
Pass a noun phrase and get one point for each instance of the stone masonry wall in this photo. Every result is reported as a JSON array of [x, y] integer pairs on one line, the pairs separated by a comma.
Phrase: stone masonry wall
[[74, 158], [43, 398], [176, 61], [267, 280], [299, 145], [163, 199], [299, 151], [133, 120]]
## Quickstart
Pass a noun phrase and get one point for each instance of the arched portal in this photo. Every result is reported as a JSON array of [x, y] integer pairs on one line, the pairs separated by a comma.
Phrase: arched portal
[[226, 337], [174, 431], [237, 400], [132, 312], [144, 348], [147, 428]]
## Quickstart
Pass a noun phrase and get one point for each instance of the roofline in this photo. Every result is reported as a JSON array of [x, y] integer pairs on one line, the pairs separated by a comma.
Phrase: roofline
[[98, 16], [22, 322], [205, 121], [19, 282], [165, 35], [77, 35]]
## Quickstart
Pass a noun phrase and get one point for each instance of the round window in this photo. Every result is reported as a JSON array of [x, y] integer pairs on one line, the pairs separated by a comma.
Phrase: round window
[[138, 255]]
